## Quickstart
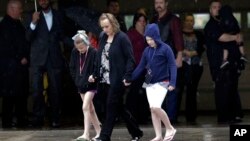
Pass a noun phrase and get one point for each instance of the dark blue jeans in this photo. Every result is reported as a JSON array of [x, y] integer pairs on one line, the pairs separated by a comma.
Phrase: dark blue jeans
[[54, 93]]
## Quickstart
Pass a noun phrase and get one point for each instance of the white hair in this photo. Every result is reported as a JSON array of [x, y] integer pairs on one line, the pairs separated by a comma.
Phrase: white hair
[[82, 35]]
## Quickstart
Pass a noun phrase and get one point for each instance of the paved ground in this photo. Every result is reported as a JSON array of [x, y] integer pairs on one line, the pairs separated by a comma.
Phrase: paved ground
[[119, 134], [205, 130]]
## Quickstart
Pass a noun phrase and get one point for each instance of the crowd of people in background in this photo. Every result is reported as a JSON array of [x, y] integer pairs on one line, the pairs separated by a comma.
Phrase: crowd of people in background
[[161, 54]]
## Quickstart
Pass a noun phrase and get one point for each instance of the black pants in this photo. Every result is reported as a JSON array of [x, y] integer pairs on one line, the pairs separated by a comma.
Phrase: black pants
[[9, 103], [227, 99], [136, 101], [115, 107], [14, 89], [54, 93], [100, 100], [192, 75]]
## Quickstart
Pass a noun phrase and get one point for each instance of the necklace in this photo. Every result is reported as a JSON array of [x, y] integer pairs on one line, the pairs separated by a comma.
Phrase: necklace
[[82, 62]]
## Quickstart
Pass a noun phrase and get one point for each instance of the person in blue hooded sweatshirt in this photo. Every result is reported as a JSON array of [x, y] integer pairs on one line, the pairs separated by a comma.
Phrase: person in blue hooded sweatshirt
[[159, 62]]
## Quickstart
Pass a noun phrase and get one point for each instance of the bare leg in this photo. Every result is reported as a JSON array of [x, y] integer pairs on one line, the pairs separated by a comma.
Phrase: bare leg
[[157, 125], [164, 118], [95, 121], [170, 131], [87, 99]]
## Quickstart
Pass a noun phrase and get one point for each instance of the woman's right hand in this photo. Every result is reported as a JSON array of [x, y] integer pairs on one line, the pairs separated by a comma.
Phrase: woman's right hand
[[170, 88]]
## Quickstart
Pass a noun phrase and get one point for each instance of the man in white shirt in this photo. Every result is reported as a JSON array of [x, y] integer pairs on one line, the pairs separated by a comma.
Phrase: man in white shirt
[[44, 31]]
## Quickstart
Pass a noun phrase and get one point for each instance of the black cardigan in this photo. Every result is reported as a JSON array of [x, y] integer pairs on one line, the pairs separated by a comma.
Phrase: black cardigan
[[121, 58], [81, 81]]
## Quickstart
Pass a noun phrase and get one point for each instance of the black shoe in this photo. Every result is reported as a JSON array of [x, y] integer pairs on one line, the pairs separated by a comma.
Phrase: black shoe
[[55, 125], [22, 123], [239, 119], [241, 64], [236, 120], [36, 124], [137, 138], [7, 125]]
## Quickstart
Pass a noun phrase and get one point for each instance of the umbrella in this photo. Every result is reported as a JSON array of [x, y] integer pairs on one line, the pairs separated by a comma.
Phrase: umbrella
[[87, 19], [35, 5]]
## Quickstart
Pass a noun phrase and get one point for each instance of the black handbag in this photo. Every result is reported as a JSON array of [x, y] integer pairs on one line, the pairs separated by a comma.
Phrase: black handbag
[[149, 75]]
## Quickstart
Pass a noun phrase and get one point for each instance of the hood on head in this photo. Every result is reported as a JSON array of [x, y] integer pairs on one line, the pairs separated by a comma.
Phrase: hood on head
[[152, 30]]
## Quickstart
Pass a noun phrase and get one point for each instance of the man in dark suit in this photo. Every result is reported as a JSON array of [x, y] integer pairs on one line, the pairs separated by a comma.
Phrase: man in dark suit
[[44, 31]]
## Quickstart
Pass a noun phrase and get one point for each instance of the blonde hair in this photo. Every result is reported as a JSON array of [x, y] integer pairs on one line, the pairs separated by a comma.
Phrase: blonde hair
[[113, 21]]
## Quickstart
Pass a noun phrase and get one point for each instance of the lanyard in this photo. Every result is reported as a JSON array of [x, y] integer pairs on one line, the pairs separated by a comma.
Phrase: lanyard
[[81, 61], [151, 59]]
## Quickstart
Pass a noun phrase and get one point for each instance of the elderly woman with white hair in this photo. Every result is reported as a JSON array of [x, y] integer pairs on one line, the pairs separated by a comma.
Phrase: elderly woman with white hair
[[82, 66]]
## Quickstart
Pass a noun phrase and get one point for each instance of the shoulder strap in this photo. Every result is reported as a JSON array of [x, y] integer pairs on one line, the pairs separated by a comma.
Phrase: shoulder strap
[[151, 59]]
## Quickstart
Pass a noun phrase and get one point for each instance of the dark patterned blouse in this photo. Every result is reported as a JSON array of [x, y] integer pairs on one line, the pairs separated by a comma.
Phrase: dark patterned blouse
[[105, 68]]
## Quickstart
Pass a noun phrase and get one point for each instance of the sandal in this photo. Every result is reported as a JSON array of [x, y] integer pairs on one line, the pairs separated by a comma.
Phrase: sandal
[[94, 139], [171, 136], [81, 138], [156, 139]]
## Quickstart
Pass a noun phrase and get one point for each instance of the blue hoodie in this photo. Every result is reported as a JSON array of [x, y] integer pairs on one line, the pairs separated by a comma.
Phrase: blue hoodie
[[162, 64]]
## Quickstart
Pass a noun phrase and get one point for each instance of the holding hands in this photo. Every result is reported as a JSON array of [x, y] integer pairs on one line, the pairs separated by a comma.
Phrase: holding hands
[[126, 83], [91, 79]]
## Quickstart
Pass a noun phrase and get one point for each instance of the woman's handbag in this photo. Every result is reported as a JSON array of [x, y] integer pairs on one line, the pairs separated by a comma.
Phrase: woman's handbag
[[148, 76]]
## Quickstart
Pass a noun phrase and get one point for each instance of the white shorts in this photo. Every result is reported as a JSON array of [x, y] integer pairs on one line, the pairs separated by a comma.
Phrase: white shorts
[[156, 94]]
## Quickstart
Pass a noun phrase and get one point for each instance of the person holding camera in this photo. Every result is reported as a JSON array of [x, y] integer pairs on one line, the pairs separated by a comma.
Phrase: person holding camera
[[159, 62]]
